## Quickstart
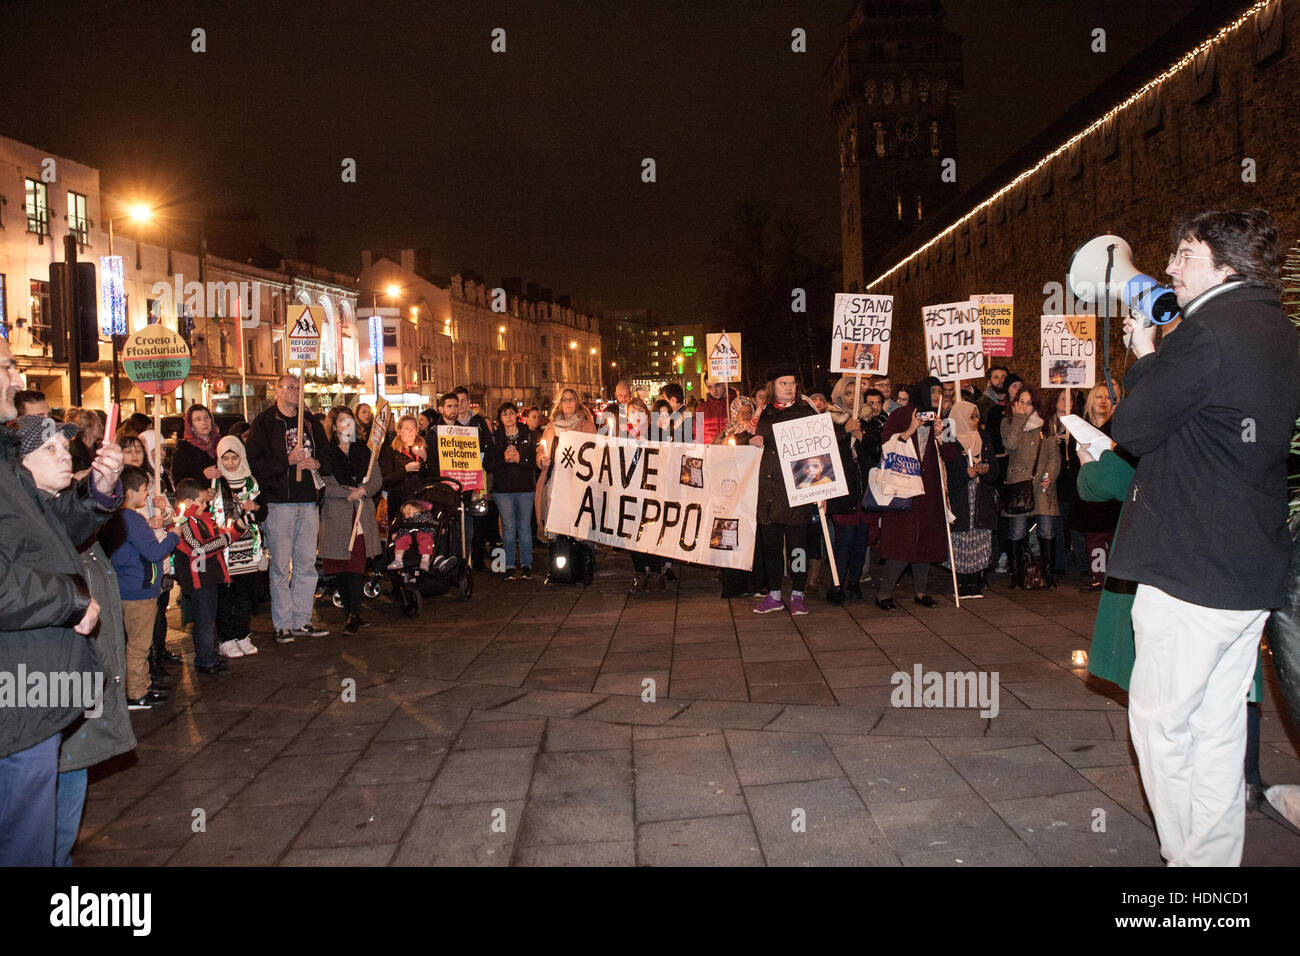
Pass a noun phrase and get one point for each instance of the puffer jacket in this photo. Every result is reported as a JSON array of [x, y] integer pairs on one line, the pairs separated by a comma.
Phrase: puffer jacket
[[91, 740], [45, 592]]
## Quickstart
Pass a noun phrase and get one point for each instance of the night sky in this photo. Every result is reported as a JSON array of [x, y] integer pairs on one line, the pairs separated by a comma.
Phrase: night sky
[[523, 163]]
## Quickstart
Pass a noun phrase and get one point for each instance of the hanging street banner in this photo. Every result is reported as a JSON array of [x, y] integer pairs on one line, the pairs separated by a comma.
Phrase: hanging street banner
[[304, 323], [1069, 351], [996, 314], [112, 281], [810, 460], [954, 345], [686, 502], [156, 359], [723, 350], [458, 456], [860, 331]]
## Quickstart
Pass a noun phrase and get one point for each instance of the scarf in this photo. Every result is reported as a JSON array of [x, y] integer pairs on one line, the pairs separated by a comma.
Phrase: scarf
[[841, 407], [965, 433], [208, 444], [1034, 422], [564, 422], [232, 444]]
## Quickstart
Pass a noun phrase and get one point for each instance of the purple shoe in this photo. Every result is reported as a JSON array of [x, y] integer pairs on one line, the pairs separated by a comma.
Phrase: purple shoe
[[768, 605], [797, 605]]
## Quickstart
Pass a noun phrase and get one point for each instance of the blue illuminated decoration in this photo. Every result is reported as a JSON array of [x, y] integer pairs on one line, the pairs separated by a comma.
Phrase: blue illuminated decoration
[[113, 281], [377, 341]]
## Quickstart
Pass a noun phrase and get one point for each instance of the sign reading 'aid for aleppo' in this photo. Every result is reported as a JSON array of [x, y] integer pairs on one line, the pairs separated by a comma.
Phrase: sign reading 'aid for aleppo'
[[810, 460], [687, 502]]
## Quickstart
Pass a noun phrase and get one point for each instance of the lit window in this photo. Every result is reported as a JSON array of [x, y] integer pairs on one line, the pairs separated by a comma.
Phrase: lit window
[[38, 208], [918, 208], [78, 224], [900, 208]]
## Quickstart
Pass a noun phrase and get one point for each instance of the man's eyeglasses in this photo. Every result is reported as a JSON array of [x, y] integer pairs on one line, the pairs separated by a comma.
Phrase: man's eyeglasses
[[1182, 257]]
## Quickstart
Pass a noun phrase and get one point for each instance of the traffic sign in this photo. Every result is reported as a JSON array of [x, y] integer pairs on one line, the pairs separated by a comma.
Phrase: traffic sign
[[724, 356], [304, 322]]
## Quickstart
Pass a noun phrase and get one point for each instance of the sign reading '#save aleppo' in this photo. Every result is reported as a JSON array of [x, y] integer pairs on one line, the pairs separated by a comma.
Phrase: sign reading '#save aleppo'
[[682, 501], [156, 359]]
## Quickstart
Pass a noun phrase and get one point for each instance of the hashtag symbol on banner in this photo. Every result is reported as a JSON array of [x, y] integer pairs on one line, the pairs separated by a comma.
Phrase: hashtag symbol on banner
[[567, 458]]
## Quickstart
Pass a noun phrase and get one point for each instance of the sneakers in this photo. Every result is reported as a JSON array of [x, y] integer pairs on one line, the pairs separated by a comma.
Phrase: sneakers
[[284, 637], [309, 630], [511, 574], [246, 645], [768, 605], [797, 605], [230, 649], [150, 698], [525, 573]]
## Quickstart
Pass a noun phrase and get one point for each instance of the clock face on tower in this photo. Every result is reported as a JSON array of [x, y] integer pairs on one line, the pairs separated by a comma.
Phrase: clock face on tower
[[906, 130]]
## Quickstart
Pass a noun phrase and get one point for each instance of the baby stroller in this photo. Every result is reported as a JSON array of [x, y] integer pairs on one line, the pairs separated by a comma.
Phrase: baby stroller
[[447, 569]]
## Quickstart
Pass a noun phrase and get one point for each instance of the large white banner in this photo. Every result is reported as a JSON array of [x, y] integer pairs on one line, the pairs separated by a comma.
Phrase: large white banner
[[810, 460], [686, 502]]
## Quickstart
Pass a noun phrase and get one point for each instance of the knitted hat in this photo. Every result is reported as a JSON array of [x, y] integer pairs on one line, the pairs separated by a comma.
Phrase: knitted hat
[[34, 431]]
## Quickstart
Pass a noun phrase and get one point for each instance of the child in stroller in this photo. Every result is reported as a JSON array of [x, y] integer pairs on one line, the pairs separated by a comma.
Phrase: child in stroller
[[417, 516], [432, 519]]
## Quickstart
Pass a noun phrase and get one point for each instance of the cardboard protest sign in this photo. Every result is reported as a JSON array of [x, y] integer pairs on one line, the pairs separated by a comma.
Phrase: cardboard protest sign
[[686, 502], [303, 323], [860, 331], [458, 456], [996, 315], [724, 356], [810, 459], [954, 344], [156, 359], [1069, 351], [383, 413]]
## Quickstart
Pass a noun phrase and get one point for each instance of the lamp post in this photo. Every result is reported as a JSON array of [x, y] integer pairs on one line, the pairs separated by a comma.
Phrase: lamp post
[[139, 213]]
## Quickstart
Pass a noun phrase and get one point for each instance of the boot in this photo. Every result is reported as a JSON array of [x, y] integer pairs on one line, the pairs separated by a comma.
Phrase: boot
[[1047, 560], [1015, 555]]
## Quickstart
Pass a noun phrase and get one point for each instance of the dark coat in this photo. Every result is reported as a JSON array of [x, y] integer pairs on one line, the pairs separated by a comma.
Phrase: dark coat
[[855, 469], [918, 534], [268, 456], [189, 461], [986, 513], [400, 483], [44, 592], [512, 477], [1210, 414], [773, 503]]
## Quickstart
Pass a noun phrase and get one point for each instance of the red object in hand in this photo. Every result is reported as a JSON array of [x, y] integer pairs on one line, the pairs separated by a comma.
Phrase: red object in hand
[[110, 426]]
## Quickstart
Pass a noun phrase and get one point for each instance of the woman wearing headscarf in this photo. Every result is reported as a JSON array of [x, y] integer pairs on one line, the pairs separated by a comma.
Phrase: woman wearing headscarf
[[196, 452], [782, 530], [917, 537], [236, 510], [349, 491], [971, 479], [1029, 436], [569, 414], [852, 525]]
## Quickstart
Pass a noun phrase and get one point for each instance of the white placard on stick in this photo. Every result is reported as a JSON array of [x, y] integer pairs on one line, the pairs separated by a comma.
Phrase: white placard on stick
[[304, 322], [860, 331], [810, 460], [724, 356], [954, 344], [1069, 351]]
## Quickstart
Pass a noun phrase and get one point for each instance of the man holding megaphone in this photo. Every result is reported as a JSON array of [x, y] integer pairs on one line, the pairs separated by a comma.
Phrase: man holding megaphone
[[1204, 532]]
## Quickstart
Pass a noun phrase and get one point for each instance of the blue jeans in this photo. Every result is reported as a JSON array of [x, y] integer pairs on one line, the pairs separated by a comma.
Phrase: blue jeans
[[203, 602], [1019, 526], [71, 801], [291, 532], [515, 508], [27, 800]]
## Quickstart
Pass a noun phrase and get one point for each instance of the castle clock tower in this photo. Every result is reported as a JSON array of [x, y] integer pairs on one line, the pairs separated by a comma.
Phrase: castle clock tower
[[895, 82]]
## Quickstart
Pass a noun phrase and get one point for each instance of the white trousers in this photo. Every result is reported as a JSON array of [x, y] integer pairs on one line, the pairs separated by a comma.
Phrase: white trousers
[[1187, 720]]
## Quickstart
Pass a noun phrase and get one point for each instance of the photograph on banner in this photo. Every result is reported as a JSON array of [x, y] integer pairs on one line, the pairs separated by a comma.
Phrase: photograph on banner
[[860, 329], [723, 352], [997, 313], [954, 344], [810, 460], [687, 502], [458, 456], [1069, 351]]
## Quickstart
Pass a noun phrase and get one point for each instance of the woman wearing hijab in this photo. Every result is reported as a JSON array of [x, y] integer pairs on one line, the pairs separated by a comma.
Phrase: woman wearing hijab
[[196, 452], [348, 491], [569, 415], [916, 537], [235, 510], [971, 479]]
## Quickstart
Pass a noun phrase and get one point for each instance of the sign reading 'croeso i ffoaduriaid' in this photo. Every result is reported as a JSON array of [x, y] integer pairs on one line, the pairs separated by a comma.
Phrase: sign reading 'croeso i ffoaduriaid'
[[687, 502]]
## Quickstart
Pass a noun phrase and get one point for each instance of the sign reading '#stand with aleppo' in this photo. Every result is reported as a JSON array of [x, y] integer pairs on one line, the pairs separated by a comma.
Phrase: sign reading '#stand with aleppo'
[[156, 359]]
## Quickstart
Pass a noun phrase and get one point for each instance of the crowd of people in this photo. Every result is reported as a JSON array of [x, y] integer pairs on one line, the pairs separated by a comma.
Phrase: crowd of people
[[97, 532]]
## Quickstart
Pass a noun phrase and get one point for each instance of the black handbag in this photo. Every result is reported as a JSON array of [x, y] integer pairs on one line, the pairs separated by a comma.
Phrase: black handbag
[[1018, 496]]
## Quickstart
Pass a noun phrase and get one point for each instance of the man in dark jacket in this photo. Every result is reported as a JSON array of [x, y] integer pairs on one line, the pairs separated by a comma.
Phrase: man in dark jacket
[[479, 524], [289, 493], [46, 618], [1204, 530]]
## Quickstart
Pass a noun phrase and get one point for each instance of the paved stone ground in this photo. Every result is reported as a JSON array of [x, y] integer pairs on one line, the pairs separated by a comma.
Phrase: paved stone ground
[[511, 731]]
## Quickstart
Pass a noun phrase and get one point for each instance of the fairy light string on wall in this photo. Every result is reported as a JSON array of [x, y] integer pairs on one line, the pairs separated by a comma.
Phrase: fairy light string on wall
[[1136, 97]]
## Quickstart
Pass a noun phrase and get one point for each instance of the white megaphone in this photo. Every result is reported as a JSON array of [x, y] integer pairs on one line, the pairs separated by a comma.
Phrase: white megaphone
[[1147, 300]]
